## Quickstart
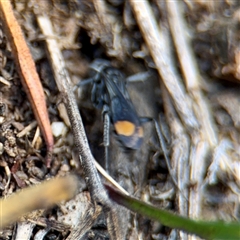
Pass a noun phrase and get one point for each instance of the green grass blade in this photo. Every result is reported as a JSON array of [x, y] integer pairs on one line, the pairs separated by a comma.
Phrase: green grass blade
[[203, 229]]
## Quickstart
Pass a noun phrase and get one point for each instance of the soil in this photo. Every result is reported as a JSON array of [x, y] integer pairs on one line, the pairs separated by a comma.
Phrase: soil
[[84, 35]]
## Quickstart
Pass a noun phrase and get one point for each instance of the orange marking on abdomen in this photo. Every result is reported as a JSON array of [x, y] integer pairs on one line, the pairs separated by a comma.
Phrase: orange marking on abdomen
[[125, 128]]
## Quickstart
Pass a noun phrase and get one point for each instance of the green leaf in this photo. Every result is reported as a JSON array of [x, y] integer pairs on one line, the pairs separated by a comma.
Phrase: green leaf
[[207, 230]]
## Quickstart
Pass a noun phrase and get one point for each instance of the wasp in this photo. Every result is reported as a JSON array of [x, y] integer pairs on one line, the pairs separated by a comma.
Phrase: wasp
[[109, 93]]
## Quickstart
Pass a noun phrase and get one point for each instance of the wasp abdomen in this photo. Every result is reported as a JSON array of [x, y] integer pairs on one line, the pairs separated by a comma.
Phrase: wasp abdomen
[[130, 135]]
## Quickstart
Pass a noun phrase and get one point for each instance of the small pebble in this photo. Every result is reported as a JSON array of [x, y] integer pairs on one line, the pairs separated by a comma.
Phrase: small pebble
[[58, 129]]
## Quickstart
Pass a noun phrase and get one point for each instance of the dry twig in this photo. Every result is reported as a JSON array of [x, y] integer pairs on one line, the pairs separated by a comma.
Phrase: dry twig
[[37, 197], [160, 53], [63, 82], [207, 135], [97, 191], [157, 48], [28, 73], [190, 70]]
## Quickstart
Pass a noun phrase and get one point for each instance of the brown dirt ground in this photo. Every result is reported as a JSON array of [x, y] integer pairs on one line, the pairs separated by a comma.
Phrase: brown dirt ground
[[214, 29]]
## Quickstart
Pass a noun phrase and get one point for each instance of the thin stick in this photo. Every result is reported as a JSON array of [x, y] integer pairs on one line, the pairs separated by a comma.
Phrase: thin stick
[[97, 191], [180, 151], [110, 179], [63, 82], [28, 73], [159, 53], [41, 196], [27, 129], [190, 71], [207, 135]]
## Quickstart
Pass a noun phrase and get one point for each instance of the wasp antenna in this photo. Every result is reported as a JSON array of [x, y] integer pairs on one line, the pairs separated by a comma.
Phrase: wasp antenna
[[164, 149], [99, 64], [85, 82]]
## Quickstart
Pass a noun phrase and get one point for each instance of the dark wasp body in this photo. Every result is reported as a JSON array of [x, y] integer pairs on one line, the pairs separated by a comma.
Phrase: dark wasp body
[[109, 93]]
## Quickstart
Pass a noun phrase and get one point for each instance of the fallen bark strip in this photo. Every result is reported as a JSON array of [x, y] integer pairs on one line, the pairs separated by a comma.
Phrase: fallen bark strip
[[197, 149], [159, 53], [63, 82], [207, 138], [190, 71], [180, 149], [28, 74], [98, 193]]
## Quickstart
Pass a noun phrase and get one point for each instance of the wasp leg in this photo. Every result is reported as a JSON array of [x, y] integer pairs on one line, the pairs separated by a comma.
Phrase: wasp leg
[[139, 77], [106, 134], [144, 120], [164, 149], [162, 145], [85, 82]]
